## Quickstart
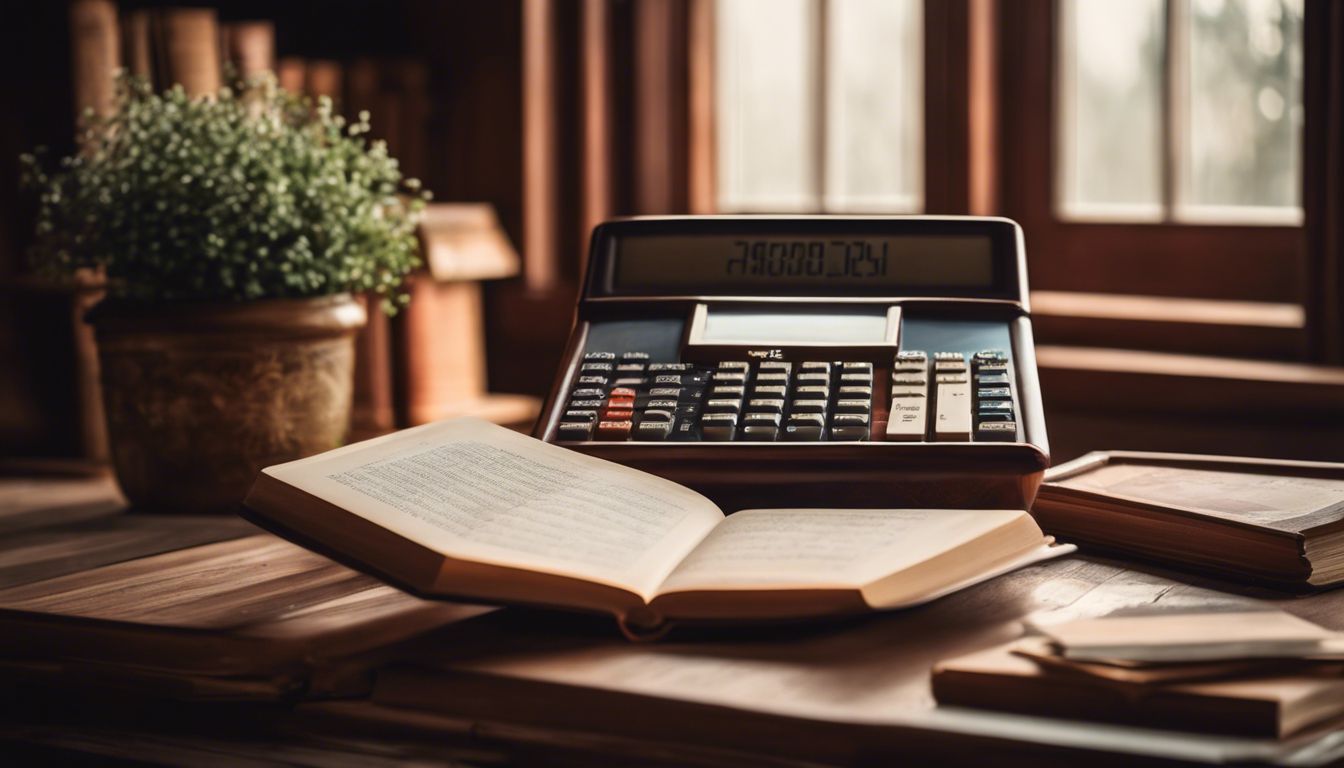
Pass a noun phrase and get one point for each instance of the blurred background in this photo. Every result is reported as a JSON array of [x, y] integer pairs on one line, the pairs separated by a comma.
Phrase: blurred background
[[1175, 164]]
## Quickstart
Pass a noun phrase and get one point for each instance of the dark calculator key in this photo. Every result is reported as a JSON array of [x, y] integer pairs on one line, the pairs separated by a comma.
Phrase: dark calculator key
[[578, 430], [994, 393], [849, 432], [803, 434], [991, 378], [580, 416], [995, 416], [667, 380], [807, 419], [665, 392], [644, 356], [761, 417], [684, 430], [666, 367], [630, 381], [852, 406], [766, 404], [734, 365], [984, 369], [653, 430], [991, 354], [586, 404], [809, 406], [696, 379], [774, 366], [995, 406], [589, 392], [614, 429], [687, 410], [600, 356], [849, 420], [656, 415], [631, 367], [662, 404], [760, 433], [718, 427], [996, 430], [595, 367], [594, 381]]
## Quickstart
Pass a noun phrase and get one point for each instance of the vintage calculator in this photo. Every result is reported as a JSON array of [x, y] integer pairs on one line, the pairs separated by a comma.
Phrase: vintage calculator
[[773, 361]]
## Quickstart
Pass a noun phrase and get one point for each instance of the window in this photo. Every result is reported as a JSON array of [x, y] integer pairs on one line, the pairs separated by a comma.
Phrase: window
[[1184, 110], [819, 105]]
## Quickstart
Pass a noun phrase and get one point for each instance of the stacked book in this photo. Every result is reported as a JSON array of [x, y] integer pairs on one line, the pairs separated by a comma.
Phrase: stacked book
[[1259, 673]]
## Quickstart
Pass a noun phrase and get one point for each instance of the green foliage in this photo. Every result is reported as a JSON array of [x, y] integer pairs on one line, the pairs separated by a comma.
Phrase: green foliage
[[251, 194]]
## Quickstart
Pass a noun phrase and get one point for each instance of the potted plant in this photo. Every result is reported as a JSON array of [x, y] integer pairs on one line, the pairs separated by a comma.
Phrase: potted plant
[[231, 232]]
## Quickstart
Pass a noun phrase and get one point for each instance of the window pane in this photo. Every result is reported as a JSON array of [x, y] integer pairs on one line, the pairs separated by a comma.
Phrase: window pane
[[766, 90], [874, 94], [1245, 111], [1110, 107]]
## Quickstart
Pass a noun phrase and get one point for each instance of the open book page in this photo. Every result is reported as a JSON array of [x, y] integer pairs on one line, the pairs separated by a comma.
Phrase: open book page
[[1258, 499], [475, 491], [826, 548]]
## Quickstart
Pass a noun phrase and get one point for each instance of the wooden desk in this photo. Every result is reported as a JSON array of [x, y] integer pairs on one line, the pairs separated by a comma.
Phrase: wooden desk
[[836, 693]]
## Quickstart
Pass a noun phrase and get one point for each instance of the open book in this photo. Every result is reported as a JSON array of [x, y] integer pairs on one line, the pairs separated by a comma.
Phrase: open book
[[466, 509]]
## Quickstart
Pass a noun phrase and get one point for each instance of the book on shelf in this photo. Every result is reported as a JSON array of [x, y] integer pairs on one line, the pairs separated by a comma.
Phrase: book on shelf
[[466, 509], [1267, 521]]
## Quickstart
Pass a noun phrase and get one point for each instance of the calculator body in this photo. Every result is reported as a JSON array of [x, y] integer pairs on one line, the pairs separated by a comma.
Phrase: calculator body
[[780, 361]]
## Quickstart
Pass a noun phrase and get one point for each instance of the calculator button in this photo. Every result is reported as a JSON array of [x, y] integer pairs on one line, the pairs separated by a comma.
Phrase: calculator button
[[723, 406], [807, 419], [760, 433], [812, 393], [622, 392], [951, 378], [803, 433], [991, 354], [952, 420], [814, 366], [728, 377], [850, 419], [991, 378], [767, 404], [772, 378], [995, 406], [912, 356], [947, 356], [909, 381], [594, 367], [667, 379], [774, 366], [630, 381], [997, 430], [917, 369], [641, 356], [769, 391], [580, 416], [600, 356], [856, 368], [684, 430], [631, 367], [738, 392], [615, 429], [949, 366], [589, 392], [988, 369], [734, 365], [578, 430], [852, 406], [897, 392], [586, 404], [761, 418], [618, 414], [908, 419], [668, 367], [718, 427], [994, 393], [852, 391], [857, 378], [665, 392], [809, 406], [656, 415], [994, 416], [812, 377], [849, 432], [653, 430]]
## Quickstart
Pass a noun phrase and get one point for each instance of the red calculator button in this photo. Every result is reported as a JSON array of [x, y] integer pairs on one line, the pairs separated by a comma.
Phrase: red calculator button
[[615, 429], [620, 392], [618, 414]]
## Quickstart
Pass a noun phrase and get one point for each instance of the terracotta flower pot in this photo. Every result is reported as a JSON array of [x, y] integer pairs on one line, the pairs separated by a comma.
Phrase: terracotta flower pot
[[199, 397]]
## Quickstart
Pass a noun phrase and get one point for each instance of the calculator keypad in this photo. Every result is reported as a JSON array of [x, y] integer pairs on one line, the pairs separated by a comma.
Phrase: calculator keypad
[[930, 396]]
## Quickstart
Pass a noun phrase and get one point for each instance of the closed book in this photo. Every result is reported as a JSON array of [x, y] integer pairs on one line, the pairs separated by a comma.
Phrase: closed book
[[1271, 706], [1264, 521]]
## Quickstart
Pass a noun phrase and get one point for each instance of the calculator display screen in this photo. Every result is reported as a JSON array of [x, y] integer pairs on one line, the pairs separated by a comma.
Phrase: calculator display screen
[[752, 264]]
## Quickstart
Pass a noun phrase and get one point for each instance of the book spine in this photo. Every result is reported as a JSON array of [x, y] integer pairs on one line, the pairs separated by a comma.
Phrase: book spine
[[189, 43]]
